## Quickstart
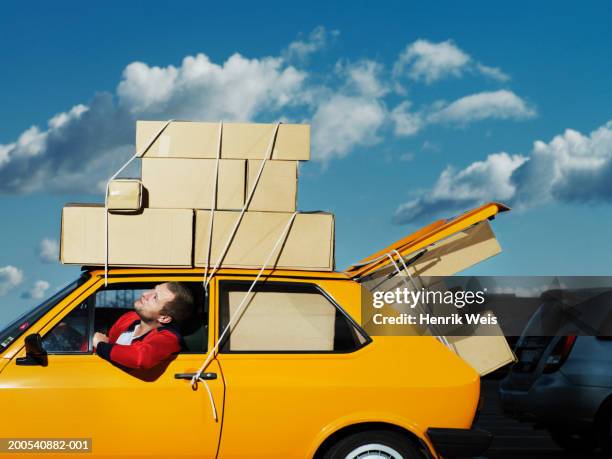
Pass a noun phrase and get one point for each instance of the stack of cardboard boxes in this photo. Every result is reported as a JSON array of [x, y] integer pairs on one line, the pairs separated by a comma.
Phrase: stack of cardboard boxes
[[163, 219]]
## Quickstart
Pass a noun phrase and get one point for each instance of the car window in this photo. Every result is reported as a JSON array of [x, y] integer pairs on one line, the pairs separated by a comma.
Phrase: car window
[[280, 317], [71, 334], [102, 309]]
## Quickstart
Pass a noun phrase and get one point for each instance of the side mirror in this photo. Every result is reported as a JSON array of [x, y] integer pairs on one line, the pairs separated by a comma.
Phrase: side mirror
[[35, 353]]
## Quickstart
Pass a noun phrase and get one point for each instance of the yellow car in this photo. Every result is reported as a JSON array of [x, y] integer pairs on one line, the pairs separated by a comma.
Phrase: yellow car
[[297, 377]]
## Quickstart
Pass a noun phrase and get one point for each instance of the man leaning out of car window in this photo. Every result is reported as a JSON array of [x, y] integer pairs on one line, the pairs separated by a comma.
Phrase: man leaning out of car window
[[149, 335]]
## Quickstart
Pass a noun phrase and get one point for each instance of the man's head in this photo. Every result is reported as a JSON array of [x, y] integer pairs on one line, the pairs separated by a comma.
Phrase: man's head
[[168, 302]]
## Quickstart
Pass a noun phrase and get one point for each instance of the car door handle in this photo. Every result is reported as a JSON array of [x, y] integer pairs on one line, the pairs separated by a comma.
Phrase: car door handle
[[191, 375]]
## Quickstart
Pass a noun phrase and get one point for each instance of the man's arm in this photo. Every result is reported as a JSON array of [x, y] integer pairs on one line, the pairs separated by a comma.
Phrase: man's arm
[[141, 355]]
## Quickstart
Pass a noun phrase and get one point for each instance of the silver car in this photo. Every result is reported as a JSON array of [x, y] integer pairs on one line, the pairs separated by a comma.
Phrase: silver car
[[564, 383]]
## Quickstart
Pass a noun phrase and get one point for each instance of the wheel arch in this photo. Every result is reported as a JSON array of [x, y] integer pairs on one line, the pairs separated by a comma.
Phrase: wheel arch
[[422, 445], [604, 408]]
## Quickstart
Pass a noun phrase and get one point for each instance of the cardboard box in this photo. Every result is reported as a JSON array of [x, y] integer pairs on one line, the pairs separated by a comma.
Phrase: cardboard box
[[124, 195], [277, 187], [307, 321], [309, 244], [155, 237], [485, 354], [188, 183], [251, 141], [184, 139]]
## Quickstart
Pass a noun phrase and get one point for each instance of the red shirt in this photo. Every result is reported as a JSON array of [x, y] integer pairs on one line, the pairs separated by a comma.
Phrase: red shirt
[[145, 351]]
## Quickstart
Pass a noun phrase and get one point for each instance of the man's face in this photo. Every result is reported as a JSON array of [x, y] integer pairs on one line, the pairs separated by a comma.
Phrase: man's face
[[151, 303]]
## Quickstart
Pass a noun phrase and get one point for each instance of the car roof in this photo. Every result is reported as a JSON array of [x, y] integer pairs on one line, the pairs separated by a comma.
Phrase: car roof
[[96, 271]]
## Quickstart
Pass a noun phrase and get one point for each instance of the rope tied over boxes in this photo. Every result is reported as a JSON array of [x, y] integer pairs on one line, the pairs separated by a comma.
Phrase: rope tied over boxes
[[268, 156], [197, 377]]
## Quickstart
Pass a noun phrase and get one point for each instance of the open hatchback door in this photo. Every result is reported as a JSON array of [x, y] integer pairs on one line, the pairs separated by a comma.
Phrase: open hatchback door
[[443, 248]]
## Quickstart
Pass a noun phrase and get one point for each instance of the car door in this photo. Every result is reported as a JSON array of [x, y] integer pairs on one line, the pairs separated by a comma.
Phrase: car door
[[79, 395], [284, 360]]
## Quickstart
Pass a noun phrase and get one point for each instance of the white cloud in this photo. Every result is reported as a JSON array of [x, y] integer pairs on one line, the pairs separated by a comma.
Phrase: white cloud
[[493, 72], [5, 151], [405, 121], [37, 291], [365, 78], [317, 40], [48, 251], [239, 89], [10, 277], [144, 87], [572, 167], [455, 191], [425, 61], [500, 104], [342, 122]]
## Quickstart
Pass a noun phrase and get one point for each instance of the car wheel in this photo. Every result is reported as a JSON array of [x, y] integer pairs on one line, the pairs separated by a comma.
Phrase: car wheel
[[605, 429], [373, 445], [576, 442]]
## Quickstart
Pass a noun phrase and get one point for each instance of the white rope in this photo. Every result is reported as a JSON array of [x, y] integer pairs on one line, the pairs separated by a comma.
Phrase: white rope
[[194, 386], [198, 375], [384, 255], [136, 155], [212, 210], [244, 208], [440, 338]]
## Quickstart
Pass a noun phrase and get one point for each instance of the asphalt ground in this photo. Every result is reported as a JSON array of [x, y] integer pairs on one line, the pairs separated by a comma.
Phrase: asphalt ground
[[513, 439]]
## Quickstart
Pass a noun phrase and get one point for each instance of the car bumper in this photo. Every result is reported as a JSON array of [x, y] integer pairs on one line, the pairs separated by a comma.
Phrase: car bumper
[[451, 443]]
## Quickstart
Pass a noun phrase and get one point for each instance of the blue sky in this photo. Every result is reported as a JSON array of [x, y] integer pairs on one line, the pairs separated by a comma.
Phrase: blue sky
[[418, 111]]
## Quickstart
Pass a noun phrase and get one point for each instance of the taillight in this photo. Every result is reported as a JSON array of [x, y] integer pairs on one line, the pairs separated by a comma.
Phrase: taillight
[[559, 354]]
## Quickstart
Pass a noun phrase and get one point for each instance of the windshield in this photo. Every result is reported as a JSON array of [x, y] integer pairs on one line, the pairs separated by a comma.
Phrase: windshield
[[15, 329]]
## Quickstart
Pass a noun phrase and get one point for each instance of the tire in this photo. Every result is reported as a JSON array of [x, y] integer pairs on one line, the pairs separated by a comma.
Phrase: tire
[[373, 445], [605, 429], [575, 442]]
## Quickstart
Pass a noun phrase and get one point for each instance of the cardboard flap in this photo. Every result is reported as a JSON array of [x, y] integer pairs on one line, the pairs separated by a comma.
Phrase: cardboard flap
[[444, 258], [424, 238]]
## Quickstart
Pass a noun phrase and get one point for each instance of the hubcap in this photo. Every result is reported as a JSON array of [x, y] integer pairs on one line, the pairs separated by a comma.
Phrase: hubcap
[[374, 451]]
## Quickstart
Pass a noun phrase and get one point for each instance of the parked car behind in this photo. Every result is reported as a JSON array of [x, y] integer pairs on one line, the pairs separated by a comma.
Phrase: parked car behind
[[564, 383]]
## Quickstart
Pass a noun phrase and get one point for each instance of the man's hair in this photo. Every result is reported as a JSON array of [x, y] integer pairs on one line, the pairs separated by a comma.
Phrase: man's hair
[[181, 307]]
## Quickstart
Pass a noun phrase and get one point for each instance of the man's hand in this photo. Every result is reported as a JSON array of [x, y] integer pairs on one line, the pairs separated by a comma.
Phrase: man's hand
[[99, 337]]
